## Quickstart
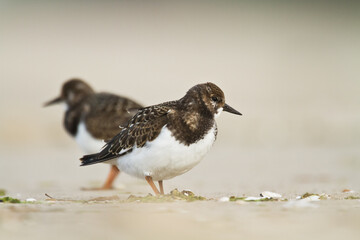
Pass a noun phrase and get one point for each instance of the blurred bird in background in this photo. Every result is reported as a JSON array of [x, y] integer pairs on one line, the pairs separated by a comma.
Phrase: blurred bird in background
[[92, 118]]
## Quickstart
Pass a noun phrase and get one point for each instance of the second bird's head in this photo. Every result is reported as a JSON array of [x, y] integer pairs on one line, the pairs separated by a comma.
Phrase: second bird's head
[[73, 91]]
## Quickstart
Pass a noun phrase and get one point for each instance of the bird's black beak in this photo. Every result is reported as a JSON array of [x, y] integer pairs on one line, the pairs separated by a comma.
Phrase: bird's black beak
[[54, 101], [229, 109]]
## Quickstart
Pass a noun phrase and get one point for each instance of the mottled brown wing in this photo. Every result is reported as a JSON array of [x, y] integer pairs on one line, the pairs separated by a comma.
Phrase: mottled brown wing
[[107, 113], [144, 127]]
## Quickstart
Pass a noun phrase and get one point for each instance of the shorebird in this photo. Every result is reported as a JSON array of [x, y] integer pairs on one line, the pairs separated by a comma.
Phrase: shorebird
[[92, 117], [166, 140]]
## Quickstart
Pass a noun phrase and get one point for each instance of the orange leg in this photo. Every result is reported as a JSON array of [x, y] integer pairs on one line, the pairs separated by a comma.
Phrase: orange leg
[[114, 171], [161, 187], [152, 185]]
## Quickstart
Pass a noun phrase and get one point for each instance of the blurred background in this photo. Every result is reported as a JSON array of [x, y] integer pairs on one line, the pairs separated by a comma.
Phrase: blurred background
[[291, 68]]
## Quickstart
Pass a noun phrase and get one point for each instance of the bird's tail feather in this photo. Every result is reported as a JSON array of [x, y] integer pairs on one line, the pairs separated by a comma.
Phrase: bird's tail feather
[[91, 159]]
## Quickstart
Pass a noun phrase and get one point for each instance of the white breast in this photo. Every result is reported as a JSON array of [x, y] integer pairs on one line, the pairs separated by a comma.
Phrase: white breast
[[165, 157], [87, 143]]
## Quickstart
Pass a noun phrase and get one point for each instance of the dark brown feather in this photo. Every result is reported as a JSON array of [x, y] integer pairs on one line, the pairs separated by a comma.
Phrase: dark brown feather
[[102, 113], [71, 121], [107, 112]]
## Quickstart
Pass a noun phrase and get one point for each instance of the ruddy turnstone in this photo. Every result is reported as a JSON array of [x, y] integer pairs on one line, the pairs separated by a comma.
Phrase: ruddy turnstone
[[93, 117], [166, 140]]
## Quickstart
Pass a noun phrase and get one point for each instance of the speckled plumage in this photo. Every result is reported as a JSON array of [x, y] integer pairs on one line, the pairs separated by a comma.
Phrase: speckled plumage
[[187, 123]]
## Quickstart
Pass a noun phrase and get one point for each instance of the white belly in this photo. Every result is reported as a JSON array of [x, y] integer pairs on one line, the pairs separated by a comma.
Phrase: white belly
[[87, 143], [165, 157]]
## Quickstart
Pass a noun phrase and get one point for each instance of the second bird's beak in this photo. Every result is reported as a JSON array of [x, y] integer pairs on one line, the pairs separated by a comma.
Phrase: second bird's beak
[[54, 101], [229, 109]]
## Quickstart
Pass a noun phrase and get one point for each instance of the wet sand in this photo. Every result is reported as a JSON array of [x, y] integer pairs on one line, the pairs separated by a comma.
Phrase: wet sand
[[291, 69], [74, 217]]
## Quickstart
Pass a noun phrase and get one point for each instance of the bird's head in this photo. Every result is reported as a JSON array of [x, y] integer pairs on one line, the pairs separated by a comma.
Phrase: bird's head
[[210, 96], [73, 91]]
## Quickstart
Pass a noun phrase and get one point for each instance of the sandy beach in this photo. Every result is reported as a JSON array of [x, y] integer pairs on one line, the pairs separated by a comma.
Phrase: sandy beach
[[291, 69]]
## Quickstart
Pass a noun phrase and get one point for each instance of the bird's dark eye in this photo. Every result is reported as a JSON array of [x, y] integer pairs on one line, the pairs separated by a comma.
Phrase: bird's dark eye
[[215, 99]]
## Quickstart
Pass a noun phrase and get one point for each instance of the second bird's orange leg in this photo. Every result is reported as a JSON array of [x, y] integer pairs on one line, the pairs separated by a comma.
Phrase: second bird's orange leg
[[152, 185], [114, 171]]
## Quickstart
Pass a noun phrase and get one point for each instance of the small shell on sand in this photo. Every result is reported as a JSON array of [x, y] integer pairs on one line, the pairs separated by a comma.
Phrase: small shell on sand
[[268, 194]]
